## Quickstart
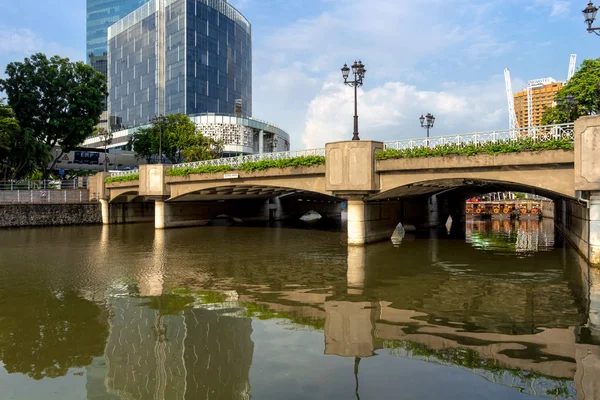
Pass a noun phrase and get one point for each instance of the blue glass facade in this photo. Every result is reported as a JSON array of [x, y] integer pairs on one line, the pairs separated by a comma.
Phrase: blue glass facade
[[100, 15], [187, 56]]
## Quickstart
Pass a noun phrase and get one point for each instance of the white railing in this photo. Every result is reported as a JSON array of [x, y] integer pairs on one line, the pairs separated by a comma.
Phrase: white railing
[[536, 133], [52, 184], [124, 173], [236, 162]]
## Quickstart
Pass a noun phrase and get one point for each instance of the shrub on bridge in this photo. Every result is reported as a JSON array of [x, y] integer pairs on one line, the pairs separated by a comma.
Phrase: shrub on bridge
[[204, 169], [305, 161], [123, 178], [469, 149]]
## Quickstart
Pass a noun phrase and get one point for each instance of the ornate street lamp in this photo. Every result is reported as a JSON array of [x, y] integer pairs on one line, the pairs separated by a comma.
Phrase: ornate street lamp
[[358, 70], [589, 14], [427, 122]]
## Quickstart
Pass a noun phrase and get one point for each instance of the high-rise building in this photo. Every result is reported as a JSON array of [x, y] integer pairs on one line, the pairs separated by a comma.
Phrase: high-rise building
[[179, 56], [186, 56], [100, 15], [542, 97]]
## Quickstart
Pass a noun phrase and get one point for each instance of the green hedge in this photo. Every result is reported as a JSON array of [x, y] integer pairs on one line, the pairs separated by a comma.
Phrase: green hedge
[[205, 169], [471, 149], [306, 161], [123, 178]]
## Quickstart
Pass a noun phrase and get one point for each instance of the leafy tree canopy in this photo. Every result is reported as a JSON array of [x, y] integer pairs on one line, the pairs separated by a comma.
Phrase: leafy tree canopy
[[57, 101], [181, 141], [584, 89], [20, 152]]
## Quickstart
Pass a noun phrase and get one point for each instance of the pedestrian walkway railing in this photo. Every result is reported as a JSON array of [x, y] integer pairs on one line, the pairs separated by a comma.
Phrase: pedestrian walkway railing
[[125, 173], [48, 191], [236, 162], [535, 133], [58, 184]]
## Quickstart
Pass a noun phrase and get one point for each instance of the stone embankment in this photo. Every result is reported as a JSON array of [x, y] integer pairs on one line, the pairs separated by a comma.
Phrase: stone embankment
[[21, 215]]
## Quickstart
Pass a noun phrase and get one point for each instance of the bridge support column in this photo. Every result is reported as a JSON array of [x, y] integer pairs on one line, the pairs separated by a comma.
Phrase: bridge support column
[[587, 181], [161, 213], [357, 224], [105, 212]]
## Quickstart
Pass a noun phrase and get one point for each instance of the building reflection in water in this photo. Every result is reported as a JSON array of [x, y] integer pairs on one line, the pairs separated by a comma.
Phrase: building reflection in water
[[167, 347], [511, 236]]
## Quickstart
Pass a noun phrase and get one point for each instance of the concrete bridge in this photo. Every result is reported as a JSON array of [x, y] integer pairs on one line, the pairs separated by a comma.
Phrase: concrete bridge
[[380, 193]]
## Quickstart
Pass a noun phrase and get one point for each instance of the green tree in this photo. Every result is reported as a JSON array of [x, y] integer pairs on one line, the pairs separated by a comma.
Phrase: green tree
[[20, 152], [181, 141], [57, 101], [585, 89]]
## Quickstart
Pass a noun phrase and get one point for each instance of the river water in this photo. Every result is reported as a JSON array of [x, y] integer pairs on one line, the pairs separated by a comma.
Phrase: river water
[[505, 311]]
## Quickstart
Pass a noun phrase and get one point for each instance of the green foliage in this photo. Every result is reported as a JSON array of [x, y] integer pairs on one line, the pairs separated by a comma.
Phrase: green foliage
[[123, 178], [205, 169], [181, 141], [263, 312], [56, 102], [583, 86], [20, 152], [57, 331], [471, 149], [305, 161]]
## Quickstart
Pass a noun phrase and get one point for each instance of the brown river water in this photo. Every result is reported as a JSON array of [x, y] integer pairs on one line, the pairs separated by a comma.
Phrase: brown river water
[[505, 311]]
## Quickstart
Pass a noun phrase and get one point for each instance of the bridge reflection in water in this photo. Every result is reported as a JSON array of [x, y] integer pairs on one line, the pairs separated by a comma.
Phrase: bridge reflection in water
[[284, 312]]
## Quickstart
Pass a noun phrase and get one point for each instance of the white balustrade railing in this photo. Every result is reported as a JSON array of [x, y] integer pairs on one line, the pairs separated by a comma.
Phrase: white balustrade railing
[[124, 173], [236, 162], [536, 133]]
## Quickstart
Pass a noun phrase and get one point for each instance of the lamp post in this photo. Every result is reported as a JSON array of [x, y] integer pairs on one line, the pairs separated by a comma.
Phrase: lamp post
[[106, 139], [427, 122], [159, 120], [589, 14], [358, 70]]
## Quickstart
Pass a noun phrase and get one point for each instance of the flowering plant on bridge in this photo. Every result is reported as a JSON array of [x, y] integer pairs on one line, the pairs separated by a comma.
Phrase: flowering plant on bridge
[[123, 178], [469, 149]]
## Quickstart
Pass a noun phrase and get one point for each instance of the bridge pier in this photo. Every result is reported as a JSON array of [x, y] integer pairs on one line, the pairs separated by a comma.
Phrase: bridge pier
[[105, 211]]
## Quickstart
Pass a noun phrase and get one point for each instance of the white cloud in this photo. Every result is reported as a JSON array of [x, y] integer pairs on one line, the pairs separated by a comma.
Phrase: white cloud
[[391, 111], [557, 8], [403, 44], [17, 43]]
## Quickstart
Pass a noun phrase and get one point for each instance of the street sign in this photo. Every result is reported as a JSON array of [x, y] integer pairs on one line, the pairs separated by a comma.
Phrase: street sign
[[231, 176]]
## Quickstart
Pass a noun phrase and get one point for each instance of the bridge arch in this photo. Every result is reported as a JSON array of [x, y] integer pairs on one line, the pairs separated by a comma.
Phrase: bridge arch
[[123, 195], [467, 187], [186, 190]]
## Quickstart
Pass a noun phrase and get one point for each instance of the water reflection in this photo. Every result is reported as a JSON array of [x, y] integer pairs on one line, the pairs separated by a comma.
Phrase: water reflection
[[230, 313], [511, 236]]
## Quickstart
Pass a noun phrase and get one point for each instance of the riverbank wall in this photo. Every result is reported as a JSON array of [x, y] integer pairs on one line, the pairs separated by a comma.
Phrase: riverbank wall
[[24, 215]]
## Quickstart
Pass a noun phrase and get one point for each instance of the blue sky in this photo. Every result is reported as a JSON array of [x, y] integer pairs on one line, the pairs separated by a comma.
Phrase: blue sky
[[445, 57]]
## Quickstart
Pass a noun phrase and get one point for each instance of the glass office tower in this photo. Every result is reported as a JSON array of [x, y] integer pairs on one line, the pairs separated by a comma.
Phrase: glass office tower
[[187, 56], [100, 15]]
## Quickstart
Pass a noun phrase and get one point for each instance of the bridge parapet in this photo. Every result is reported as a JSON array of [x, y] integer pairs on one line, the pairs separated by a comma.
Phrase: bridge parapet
[[236, 162], [535, 133]]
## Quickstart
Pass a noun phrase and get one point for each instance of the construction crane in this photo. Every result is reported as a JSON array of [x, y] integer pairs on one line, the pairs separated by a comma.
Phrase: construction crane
[[512, 116], [513, 123], [572, 66]]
